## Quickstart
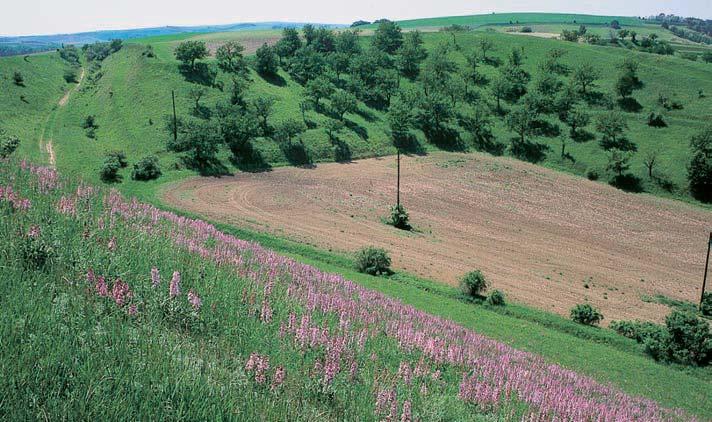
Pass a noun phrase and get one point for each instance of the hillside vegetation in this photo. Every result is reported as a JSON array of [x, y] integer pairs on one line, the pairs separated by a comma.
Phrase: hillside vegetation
[[223, 326]]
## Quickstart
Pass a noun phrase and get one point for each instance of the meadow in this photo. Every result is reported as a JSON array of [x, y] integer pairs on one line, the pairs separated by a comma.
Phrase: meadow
[[222, 325]]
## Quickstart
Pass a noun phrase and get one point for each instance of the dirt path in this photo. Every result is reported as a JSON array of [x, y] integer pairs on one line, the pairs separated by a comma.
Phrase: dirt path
[[46, 145], [546, 238]]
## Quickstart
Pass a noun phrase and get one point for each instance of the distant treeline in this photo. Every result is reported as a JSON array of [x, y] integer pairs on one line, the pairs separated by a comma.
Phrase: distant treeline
[[16, 49], [702, 27]]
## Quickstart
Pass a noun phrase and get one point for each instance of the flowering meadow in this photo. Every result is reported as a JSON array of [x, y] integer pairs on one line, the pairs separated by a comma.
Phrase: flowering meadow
[[114, 309]]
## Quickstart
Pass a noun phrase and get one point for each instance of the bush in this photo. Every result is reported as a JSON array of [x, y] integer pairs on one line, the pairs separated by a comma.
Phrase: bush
[[120, 157], [8, 144], [656, 120], [636, 330], [372, 260], [70, 76], [18, 79], [109, 171], [496, 298], [146, 169], [399, 217], [35, 252], [526, 30], [473, 283], [586, 314], [706, 307], [89, 122], [592, 174]]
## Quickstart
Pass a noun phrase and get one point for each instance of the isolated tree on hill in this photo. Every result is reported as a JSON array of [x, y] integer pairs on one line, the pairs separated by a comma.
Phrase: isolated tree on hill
[[479, 124], [266, 61], [618, 161], [411, 54], [237, 91], [584, 76], [577, 118], [289, 43], [318, 88], [699, 171], [18, 79], [469, 72], [628, 80], [520, 121], [388, 37], [190, 51], [651, 158], [262, 107], [230, 59], [343, 102], [612, 126]]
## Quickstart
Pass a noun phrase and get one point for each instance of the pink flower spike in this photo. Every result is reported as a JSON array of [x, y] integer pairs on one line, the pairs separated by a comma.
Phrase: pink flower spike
[[175, 285], [194, 300], [155, 277]]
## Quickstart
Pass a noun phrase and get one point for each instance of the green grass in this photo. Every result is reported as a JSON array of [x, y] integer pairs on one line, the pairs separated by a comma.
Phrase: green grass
[[515, 18], [150, 365]]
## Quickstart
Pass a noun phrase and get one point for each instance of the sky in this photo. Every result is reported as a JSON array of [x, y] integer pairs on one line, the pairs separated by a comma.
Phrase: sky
[[26, 17]]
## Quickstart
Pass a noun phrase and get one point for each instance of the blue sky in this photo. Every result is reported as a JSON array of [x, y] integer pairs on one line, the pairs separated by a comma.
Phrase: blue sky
[[25, 17]]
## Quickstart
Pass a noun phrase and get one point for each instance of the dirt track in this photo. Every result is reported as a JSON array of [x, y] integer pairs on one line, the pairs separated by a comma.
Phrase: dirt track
[[539, 235]]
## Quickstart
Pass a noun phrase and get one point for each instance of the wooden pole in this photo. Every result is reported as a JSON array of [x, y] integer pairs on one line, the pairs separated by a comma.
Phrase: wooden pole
[[175, 119], [398, 182], [707, 263]]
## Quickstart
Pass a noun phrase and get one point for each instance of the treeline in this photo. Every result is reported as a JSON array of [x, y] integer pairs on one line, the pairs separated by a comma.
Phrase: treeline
[[443, 94], [691, 35], [703, 26]]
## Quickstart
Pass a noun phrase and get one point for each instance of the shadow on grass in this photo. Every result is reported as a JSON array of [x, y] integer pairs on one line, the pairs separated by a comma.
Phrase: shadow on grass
[[201, 74], [627, 182]]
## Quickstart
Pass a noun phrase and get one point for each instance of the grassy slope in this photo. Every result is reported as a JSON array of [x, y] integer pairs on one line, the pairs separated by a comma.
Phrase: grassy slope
[[44, 86], [516, 18]]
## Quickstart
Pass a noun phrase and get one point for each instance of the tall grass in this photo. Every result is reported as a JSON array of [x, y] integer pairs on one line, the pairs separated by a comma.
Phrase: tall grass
[[115, 309]]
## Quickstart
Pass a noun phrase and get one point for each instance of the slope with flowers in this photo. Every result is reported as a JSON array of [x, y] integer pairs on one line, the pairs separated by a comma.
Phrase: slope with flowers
[[112, 308]]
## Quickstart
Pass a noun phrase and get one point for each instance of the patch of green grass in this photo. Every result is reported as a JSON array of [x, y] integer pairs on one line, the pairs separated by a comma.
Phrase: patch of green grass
[[682, 305]]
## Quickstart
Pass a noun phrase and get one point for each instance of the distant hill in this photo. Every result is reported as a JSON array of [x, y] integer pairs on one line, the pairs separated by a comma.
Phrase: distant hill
[[35, 43]]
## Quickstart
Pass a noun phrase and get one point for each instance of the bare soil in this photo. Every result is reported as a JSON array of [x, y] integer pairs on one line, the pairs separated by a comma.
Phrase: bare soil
[[547, 239]]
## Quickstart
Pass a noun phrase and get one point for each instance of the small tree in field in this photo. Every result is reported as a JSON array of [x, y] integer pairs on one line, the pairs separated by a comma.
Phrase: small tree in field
[[583, 77], [343, 102], [266, 61], [190, 51], [473, 283], [230, 59], [651, 158], [285, 131], [399, 217], [586, 314], [372, 260], [18, 79], [8, 144], [699, 171], [262, 107]]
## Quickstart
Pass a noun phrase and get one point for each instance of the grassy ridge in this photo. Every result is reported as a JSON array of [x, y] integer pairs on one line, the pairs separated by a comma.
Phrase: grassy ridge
[[516, 18]]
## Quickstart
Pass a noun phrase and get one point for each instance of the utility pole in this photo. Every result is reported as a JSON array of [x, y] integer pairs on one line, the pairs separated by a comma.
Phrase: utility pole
[[398, 182], [175, 119], [707, 263]]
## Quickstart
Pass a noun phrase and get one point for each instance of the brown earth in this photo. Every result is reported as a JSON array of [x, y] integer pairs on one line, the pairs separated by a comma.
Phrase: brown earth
[[546, 238], [251, 44]]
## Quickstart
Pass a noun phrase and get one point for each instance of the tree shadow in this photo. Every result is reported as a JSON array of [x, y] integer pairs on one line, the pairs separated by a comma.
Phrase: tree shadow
[[342, 151], [530, 151], [297, 154], [630, 105], [627, 182], [446, 138], [357, 129], [582, 136], [596, 98], [201, 74], [275, 79], [410, 145], [210, 168], [665, 183], [202, 112], [489, 145], [248, 159], [493, 61], [367, 115]]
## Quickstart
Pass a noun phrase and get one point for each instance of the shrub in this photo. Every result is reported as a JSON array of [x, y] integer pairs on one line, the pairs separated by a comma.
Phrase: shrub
[[120, 157], [35, 252], [689, 337], [109, 171], [8, 144], [706, 307], [70, 76], [372, 260], [146, 169], [18, 79], [526, 30], [636, 330], [586, 314], [399, 217], [592, 174], [473, 283], [496, 298], [89, 122], [656, 120]]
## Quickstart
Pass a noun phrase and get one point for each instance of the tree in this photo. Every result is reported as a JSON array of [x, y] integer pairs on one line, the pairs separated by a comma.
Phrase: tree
[[266, 62], [373, 261], [387, 37], [309, 33], [586, 314], [318, 88], [237, 91], [196, 94], [146, 169], [237, 127], [411, 54], [190, 51], [286, 130], [485, 46], [288, 45], [576, 118], [699, 171], [401, 119], [628, 80], [347, 43], [230, 59], [500, 88], [584, 76], [343, 102], [109, 171], [569, 35], [707, 56], [479, 124], [437, 70], [650, 160], [618, 161], [306, 65], [551, 63], [612, 126], [324, 41], [473, 283], [520, 121], [199, 139], [262, 107]]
